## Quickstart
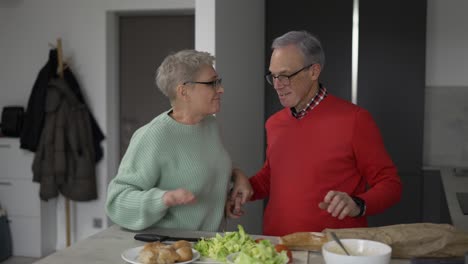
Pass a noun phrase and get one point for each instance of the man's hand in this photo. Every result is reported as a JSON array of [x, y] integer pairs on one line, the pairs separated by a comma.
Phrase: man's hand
[[339, 204], [233, 208], [178, 197], [240, 194], [242, 191]]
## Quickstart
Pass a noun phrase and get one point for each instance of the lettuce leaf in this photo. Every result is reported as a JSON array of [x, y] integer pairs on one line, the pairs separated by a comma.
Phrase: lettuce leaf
[[218, 247], [261, 253]]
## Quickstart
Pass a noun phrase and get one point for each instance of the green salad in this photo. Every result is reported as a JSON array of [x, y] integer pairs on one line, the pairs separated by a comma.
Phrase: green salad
[[219, 247], [261, 253]]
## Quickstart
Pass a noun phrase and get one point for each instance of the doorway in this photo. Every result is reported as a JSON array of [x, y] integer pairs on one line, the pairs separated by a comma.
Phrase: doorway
[[144, 41]]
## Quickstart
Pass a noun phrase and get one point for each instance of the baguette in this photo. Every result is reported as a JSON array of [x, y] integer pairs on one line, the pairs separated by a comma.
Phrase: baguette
[[311, 241]]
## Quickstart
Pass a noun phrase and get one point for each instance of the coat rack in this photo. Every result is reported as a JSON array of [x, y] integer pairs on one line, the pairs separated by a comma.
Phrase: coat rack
[[67, 201]]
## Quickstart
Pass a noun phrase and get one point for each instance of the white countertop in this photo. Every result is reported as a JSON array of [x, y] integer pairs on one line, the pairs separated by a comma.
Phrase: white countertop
[[107, 246], [452, 185]]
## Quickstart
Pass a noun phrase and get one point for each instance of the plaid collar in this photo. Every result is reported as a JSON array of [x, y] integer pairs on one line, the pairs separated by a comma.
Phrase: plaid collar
[[319, 96]]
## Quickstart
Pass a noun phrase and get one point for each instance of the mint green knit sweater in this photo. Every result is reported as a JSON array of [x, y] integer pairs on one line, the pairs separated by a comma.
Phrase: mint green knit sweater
[[165, 155]]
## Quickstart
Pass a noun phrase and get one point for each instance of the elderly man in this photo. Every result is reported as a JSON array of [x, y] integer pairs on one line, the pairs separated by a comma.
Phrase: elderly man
[[326, 165]]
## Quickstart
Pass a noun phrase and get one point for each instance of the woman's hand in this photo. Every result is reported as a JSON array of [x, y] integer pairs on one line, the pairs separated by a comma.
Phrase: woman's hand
[[339, 204], [178, 197]]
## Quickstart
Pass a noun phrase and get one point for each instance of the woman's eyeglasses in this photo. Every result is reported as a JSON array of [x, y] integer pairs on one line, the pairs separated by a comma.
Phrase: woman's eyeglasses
[[214, 84]]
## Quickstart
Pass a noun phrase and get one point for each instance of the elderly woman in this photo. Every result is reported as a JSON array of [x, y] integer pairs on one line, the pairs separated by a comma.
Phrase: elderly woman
[[176, 171]]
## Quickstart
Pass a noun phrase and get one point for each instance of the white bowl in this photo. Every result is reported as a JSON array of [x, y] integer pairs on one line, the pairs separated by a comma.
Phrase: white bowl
[[362, 252]]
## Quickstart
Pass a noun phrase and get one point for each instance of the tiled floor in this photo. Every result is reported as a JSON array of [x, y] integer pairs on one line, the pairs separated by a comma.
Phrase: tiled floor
[[19, 260]]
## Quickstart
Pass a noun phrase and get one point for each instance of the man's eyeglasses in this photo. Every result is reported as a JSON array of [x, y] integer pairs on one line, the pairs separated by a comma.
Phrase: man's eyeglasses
[[214, 84], [284, 79]]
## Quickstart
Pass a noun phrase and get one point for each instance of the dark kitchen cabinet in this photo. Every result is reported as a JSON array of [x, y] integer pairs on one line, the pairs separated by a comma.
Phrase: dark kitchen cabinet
[[391, 81]]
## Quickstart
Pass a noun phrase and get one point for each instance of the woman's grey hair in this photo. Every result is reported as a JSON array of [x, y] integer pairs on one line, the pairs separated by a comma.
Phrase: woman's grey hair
[[308, 44], [180, 67]]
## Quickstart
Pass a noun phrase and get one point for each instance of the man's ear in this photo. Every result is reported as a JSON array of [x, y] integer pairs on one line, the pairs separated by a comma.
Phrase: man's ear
[[316, 69]]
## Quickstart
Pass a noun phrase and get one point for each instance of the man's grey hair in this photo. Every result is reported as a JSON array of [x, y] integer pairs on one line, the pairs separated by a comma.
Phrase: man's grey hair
[[180, 67], [307, 43]]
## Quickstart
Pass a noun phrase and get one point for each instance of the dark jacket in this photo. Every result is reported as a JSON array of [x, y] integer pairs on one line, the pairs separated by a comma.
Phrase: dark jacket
[[65, 158], [34, 119]]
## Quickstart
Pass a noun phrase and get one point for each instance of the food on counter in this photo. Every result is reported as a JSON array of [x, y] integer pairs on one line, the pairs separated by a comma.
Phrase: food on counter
[[159, 253], [219, 247], [262, 252], [280, 247], [181, 244], [304, 241], [185, 254]]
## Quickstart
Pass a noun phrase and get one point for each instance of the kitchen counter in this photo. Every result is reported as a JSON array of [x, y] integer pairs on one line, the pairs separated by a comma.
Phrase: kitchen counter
[[452, 185], [107, 246]]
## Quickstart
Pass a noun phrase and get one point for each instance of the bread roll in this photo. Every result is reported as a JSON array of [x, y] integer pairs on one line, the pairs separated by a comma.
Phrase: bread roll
[[181, 243], [159, 253], [148, 255], [167, 256], [312, 241], [185, 253]]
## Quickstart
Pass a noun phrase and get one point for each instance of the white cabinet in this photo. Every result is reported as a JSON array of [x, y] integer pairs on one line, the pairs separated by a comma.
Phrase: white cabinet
[[32, 221]]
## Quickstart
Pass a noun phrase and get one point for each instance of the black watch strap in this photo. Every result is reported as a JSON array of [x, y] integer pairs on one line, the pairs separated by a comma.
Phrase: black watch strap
[[362, 205]]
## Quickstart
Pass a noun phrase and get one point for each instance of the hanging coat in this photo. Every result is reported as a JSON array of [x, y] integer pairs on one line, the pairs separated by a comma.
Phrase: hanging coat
[[35, 112], [65, 158]]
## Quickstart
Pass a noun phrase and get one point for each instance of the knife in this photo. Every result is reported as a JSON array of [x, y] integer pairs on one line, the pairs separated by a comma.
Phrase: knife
[[161, 238]]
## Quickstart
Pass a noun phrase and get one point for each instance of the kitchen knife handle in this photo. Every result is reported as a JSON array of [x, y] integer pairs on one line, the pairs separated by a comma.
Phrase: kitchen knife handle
[[150, 237]]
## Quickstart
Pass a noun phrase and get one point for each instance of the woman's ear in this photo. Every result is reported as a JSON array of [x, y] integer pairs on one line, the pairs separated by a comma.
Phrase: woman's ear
[[181, 91]]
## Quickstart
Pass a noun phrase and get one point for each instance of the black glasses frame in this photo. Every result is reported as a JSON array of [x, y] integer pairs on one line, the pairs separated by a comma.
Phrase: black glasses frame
[[284, 79], [214, 84]]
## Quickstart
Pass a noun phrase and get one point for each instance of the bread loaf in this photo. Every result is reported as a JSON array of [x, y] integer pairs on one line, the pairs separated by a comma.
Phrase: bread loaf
[[311, 241]]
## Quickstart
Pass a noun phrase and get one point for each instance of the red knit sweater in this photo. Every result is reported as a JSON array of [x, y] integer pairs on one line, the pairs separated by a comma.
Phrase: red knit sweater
[[336, 146]]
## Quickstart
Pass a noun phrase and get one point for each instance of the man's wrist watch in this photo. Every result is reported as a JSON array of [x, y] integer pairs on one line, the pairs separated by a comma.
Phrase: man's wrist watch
[[361, 204]]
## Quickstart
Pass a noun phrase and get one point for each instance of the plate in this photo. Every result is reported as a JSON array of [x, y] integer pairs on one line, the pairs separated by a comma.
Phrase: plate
[[131, 255]]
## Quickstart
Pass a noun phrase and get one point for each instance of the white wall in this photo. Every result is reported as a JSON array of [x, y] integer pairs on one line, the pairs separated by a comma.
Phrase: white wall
[[240, 53], [447, 43], [239, 47], [446, 110], [26, 29], [205, 25]]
